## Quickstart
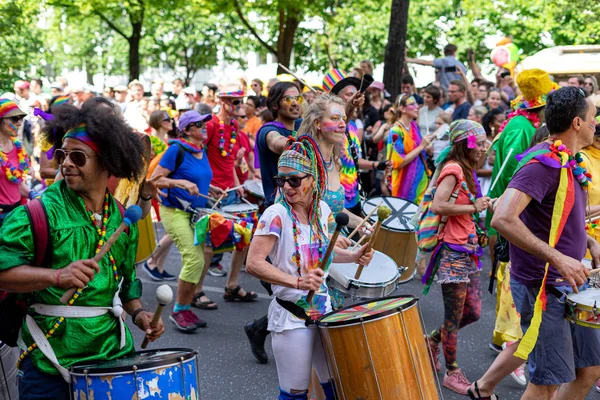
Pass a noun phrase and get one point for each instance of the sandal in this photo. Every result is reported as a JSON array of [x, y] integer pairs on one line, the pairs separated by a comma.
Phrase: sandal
[[203, 305], [479, 397], [234, 295]]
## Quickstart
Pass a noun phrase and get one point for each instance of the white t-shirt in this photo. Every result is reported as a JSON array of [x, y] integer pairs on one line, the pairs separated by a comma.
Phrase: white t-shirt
[[276, 221]]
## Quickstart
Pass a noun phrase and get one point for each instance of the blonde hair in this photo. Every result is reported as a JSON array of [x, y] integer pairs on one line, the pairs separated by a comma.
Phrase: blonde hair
[[316, 112]]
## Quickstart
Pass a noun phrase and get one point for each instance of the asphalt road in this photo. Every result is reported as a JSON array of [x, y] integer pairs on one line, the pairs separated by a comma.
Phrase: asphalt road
[[229, 371]]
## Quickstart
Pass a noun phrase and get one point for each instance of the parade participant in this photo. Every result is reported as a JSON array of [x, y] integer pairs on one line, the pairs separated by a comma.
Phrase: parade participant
[[253, 124], [284, 103], [456, 259], [91, 145], [405, 148], [446, 67], [14, 159], [293, 234], [513, 138], [542, 215], [185, 183], [257, 87], [244, 160]]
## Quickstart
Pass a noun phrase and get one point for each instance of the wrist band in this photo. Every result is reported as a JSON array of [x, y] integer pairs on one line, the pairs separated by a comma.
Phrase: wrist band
[[145, 198], [58, 278], [135, 314]]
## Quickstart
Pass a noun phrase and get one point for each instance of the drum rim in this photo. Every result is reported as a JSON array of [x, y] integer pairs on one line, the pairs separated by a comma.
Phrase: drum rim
[[253, 209], [582, 306], [187, 354], [373, 218], [353, 321]]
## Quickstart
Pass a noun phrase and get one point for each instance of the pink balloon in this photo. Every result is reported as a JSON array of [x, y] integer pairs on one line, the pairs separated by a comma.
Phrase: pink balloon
[[500, 55]]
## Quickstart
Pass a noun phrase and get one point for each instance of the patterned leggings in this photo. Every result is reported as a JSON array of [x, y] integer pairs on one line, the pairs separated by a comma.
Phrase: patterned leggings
[[462, 306]]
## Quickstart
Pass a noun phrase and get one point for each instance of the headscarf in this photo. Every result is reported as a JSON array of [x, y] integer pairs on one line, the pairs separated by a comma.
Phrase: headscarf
[[80, 133], [461, 129]]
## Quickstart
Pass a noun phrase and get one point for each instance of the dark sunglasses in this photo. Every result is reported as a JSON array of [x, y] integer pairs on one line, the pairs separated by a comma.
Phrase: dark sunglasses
[[199, 124], [16, 119], [294, 181], [236, 102], [78, 157], [167, 119]]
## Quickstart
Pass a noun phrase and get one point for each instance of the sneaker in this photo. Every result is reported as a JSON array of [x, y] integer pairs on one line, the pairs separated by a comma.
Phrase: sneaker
[[257, 342], [154, 274], [457, 381], [495, 347], [518, 374], [434, 348], [217, 270], [182, 321], [598, 386], [194, 318], [168, 277]]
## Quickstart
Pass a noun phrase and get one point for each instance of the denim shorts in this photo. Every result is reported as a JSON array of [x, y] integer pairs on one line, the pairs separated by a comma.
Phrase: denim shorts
[[561, 347]]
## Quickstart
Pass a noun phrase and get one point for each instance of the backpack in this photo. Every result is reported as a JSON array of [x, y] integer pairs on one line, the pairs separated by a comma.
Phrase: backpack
[[156, 160], [430, 225], [13, 306]]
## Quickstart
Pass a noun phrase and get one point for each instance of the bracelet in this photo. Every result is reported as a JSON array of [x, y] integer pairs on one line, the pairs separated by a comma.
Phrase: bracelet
[[58, 278], [145, 198], [135, 314], [298, 283]]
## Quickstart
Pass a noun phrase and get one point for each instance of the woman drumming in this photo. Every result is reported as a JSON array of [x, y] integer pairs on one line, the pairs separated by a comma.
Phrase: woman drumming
[[189, 181], [405, 147], [456, 259], [293, 233]]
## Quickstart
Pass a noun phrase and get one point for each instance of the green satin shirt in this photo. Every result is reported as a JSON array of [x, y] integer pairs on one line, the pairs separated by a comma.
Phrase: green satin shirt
[[73, 237]]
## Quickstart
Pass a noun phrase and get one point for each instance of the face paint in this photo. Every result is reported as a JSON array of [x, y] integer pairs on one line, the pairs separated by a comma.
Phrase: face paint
[[411, 100], [13, 129], [330, 126]]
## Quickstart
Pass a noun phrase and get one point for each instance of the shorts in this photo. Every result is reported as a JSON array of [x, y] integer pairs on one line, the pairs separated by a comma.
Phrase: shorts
[[177, 225], [455, 267], [561, 347]]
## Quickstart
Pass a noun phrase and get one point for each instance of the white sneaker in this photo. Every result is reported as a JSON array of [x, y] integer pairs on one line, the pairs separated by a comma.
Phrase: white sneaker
[[518, 374], [598, 386]]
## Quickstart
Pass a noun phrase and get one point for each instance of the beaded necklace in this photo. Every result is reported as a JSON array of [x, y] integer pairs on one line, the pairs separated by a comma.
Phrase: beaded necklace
[[577, 163], [329, 164], [296, 256], [12, 173], [102, 233], [222, 138]]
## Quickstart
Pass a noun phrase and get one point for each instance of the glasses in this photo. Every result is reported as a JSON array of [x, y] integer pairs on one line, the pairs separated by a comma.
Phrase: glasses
[[16, 119], [291, 99], [236, 102], [294, 181], [78, 157], [242, 117], [167, 120], [199, 124]]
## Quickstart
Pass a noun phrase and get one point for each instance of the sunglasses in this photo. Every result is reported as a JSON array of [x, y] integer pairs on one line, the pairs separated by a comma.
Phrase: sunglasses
[[167, 120], [78, 157], [242, 117], [16, 120], [294, 181], [236, 102], [291, 99], [199, 124]]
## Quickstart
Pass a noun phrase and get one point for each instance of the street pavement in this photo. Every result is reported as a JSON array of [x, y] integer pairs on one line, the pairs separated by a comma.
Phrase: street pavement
[[229, 371]]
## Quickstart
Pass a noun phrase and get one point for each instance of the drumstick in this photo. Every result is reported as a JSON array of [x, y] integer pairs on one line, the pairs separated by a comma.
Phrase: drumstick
[[501, 169], [341, 220], [219, 199], [131, 216], [207, 197], [592, 271], [364, 220], [359, 242], [593, 219], [164, 296], [383, 213], [283, 67], [235, 188]]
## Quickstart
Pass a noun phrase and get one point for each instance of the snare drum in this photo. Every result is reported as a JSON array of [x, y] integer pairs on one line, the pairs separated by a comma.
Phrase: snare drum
[[583, 308], [254, 192], [397, 236], [147, 240], [378, 279], [243, 211], [166, 373], [377, 350]]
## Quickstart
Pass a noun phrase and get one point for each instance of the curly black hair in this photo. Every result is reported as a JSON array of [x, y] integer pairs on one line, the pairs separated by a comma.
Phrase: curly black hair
[[120, 149]]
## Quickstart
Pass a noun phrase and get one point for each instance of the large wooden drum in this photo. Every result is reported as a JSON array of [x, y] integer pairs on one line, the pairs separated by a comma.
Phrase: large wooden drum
[[377, 350]]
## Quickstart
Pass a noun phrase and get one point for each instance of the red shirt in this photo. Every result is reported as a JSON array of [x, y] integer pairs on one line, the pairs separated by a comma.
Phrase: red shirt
[[222, 167], [242, 171], [9, 191]]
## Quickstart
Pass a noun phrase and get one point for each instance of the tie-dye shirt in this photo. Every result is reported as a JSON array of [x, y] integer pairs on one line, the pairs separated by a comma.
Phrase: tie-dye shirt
[[410, 182], [276, 221], [349, 174]]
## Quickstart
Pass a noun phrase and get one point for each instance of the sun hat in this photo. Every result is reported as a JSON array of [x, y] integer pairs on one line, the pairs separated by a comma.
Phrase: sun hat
[[535, 85], [336, 79], [189, 117], [231, 90], [9, 108]]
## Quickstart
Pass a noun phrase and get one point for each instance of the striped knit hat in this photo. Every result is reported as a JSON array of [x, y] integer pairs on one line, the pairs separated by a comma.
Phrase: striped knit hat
[[336, 79], [9, 108]]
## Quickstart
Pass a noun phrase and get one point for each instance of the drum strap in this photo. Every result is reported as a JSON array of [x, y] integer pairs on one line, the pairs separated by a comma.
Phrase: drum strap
[[296, 310]]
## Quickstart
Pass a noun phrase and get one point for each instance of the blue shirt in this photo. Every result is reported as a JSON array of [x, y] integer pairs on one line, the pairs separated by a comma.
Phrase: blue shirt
[[191, 169], [462, 111], [268, 159]]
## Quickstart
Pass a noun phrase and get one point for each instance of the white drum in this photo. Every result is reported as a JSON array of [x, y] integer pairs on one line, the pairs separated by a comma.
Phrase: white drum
[[255, 188], [378, 279], [583, 308]]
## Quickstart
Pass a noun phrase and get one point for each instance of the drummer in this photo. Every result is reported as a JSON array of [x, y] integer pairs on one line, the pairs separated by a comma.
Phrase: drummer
[[297, 225], [91, 144], [189, 184]]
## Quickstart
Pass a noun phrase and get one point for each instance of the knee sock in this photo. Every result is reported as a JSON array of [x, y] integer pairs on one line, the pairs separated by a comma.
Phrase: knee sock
[[178, 307], [329, 390], [283, 395]]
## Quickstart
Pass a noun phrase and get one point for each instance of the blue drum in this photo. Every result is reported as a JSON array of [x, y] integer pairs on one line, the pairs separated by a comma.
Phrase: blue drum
[[162, 373]]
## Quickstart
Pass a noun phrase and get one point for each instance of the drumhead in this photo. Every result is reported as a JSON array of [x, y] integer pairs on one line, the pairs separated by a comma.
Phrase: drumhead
[[402, 212], [588, 297], [142, 360], [380, 272], [367, 310], [239, 208], [255, 187]]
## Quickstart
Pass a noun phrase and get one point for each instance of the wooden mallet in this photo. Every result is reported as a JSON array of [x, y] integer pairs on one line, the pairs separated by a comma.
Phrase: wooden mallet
[[383, 213], [164, 296], [131, 216], [341, 220]]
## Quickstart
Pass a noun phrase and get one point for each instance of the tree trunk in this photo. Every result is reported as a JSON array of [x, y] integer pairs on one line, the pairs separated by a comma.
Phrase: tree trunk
[[395, 49], [285, 42], [134, 50]]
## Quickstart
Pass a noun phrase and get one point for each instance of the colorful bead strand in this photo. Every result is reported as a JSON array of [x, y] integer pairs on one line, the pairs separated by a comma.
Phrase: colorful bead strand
[[222, 138]]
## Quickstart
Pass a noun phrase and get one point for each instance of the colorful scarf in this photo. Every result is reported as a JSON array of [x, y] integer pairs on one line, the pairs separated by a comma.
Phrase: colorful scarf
[[186, 144]]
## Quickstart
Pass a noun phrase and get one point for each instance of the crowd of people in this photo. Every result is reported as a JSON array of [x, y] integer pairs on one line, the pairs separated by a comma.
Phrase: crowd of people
[[476, 153]]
